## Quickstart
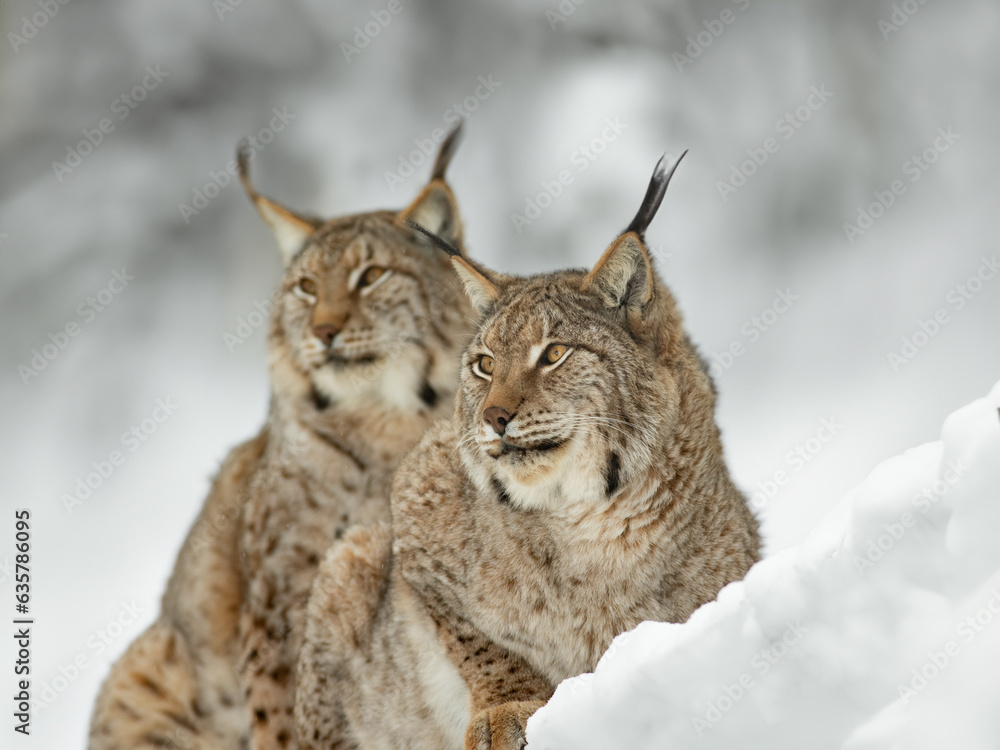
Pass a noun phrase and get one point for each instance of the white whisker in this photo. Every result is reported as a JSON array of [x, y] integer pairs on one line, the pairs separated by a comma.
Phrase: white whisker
[[574, 421]]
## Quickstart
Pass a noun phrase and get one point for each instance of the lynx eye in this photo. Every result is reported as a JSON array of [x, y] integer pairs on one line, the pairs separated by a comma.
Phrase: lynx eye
[[307, 287], [485, 364], [552, 354], [370, 276]]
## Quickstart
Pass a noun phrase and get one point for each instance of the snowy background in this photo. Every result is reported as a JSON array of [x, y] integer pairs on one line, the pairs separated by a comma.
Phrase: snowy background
[[811, 404]]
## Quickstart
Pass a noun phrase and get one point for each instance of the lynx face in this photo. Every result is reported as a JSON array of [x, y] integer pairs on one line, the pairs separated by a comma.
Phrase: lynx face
[[368, 311], [364, 311], [570, 383], [558, 402]]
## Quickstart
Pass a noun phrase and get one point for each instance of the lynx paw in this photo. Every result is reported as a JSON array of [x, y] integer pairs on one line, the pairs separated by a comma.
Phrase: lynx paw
[[500, 727]]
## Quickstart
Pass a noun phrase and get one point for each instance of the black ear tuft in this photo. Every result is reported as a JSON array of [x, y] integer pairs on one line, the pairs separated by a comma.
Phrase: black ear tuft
[[446, 151], [654, 195], [437, 240], [243, 152]]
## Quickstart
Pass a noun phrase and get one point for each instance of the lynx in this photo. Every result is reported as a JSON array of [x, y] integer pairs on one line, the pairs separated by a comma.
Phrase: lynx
[[579, 489], [364, 344]]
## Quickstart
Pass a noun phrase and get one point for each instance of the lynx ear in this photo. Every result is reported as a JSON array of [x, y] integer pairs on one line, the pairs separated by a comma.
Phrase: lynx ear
[[623, 277], [291, 230], [481, 290], [481, 285], [435, 208]]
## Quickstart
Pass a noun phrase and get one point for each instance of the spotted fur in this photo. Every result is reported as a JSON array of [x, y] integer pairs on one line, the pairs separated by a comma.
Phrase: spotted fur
[[361, 363], [523, 544]]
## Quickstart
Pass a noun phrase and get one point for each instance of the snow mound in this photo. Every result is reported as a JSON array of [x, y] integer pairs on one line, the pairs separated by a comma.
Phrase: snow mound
[[880, 630]]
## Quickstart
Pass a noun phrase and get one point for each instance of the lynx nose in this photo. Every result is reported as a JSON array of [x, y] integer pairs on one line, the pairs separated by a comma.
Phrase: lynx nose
[[498, 419], [325, 333]]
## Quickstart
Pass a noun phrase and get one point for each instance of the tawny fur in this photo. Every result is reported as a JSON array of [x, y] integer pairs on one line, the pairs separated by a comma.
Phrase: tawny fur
[[515, 559], [360, 366]]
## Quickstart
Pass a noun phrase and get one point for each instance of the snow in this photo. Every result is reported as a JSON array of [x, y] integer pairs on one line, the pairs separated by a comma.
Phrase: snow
[[881, 629]]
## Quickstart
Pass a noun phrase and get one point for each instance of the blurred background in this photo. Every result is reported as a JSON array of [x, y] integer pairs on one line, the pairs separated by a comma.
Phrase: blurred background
[[831, 236]]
